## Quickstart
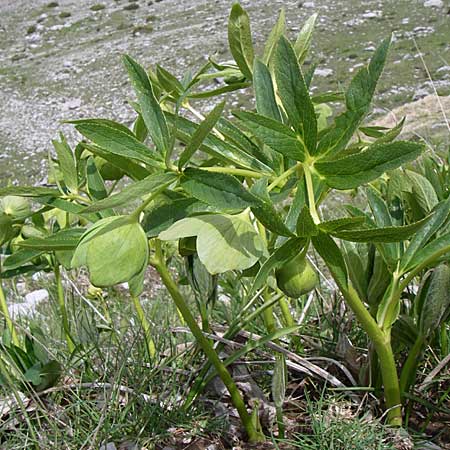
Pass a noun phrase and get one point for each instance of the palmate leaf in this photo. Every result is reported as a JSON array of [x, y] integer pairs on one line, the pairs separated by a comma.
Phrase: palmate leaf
[[274, 134], [226, 152], [240, 40], [150, 109], [219, 190], [358, 98], [224, 242], [358, 169], [294, 94]]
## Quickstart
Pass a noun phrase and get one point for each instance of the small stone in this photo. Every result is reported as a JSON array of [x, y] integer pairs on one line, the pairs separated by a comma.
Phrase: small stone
[[433, 4], [309, 5], [131, 7], [108, 446], [41, 18], [36, 297], [52, 4], [97, 7], [21, 288], [72, 104], [323, 72]]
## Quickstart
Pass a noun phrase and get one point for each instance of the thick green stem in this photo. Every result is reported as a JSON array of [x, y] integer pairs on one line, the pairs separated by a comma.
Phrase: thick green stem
[[409, 368], [5, 312], [382, 343], [151, 349], [62, 308], [283, 176], [311, 197], [206, 346], [234, 171]]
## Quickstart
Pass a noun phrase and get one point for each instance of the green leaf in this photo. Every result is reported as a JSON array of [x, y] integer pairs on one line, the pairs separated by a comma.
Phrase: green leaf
[[168, 81], [106, 122], [163, 216], [291, 248], [95, 184], [240, 39], [421, 238], [355, 170], [384, 234], [29, 191], [437, 300], [423, 191], [134, 191], [344, 223], [219, 91], [220, 190], [114, 249], [294, 94], [436, 247], [150, 109], [332, 256], [266, 103], [215, 147], [224, 242], [62, 240], [118, 142], [66, 163], [277, 31], [305, 224], [304, 38], [358, 98], [274, 134], [200, 134], [265, 211], [20, 258], [133, 169]]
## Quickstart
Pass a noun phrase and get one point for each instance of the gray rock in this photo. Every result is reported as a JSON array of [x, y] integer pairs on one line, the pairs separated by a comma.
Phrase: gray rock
[[323, 72], [36, 297], [433, 3], [108, 446]]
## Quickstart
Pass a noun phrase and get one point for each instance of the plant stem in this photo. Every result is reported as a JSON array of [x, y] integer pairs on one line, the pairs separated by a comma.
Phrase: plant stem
[[206, 346], [62, 308], [234, 171], [151, 349], [283, 176], [280, 422], [382, 343], [311, 197], [5, 312]]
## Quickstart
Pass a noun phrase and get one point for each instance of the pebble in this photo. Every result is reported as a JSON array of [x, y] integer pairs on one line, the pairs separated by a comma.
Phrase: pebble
[[323, 72], [433, 4]]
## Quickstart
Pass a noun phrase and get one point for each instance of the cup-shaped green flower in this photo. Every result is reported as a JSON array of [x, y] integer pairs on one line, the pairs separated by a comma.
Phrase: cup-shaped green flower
[[114, 250]]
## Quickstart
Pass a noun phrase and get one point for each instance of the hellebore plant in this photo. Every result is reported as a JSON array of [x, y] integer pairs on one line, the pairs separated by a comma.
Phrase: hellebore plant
[[244, 194]]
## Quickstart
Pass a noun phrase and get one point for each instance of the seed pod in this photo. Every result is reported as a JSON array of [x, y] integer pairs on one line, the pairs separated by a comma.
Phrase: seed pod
[[297, 277]]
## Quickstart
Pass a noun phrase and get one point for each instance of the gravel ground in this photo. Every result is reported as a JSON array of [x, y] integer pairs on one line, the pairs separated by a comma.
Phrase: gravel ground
[[61, 60]]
